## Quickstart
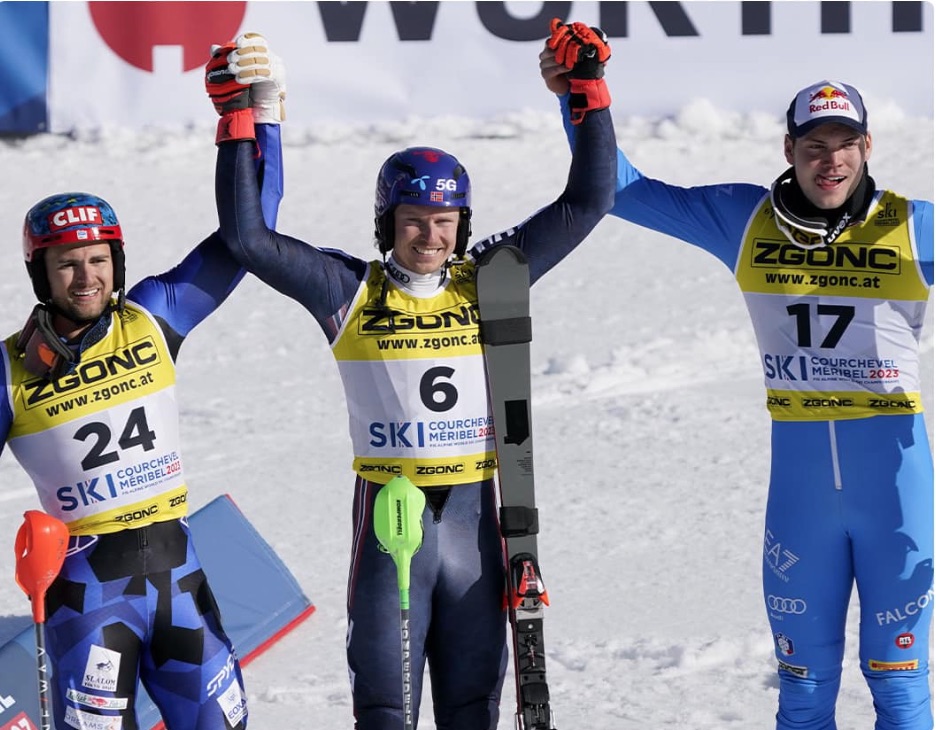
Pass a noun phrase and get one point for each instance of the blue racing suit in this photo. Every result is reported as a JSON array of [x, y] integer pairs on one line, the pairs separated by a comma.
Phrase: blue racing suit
[[851, 482], [457, 610], [131, 603]]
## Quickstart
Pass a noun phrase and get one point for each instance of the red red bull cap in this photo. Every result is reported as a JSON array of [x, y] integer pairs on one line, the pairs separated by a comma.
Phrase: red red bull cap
[[825, 102]]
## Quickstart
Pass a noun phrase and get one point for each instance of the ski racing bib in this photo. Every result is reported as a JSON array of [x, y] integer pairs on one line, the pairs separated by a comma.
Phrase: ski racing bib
[[101, 443], [413, 374], [838, 327]]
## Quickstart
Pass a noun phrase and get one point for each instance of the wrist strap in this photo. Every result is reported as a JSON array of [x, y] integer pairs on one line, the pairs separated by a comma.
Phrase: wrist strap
[[236, 125], [586, 95]]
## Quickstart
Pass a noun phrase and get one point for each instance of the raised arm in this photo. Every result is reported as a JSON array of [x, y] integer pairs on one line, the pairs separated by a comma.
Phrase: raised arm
[[553, 232], [711, 217], [322, 280]]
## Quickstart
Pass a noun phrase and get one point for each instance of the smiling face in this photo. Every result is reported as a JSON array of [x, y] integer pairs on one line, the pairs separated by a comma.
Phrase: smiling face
[[828, 162], [81, 280], [424, 236]]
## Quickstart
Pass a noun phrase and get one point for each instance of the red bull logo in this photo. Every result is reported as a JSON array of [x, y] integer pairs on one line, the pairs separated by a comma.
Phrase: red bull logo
[[828, 99], [828, 92]]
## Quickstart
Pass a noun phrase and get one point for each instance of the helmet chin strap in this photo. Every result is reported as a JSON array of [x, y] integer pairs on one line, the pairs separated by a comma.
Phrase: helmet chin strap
[[807, 226]]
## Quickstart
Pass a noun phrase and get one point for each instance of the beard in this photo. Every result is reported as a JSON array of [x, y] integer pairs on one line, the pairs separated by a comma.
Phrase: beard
[[81, 314]]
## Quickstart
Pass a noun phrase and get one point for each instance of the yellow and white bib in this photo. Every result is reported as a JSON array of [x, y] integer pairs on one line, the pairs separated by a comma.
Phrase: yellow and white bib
[[101, 444], [838, 327], [415, 383]]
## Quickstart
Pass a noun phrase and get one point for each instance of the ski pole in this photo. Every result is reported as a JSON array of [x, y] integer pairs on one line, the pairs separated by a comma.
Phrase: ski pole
[[398, 512], [40, 546]]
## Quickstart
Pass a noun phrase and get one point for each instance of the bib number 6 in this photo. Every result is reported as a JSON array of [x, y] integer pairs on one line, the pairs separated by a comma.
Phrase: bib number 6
[[436, 391]]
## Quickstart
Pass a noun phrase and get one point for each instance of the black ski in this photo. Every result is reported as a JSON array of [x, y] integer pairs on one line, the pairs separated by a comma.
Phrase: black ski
[[503, 281]]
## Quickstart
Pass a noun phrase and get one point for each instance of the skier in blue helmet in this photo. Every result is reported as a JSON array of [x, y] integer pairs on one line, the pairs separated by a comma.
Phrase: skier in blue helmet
[[404, 331], [90, 398], [422, 176]]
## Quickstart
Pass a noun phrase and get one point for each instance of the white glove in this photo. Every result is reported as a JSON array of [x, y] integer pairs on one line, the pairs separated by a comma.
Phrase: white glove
[[252, 63]]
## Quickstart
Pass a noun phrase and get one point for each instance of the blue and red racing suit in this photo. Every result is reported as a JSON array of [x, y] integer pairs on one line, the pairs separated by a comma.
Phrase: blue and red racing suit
[[101, 444], [851, 481], [428, 344]]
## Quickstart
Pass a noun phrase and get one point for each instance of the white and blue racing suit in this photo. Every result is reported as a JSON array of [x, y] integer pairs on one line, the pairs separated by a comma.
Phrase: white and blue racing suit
[[851, 482]]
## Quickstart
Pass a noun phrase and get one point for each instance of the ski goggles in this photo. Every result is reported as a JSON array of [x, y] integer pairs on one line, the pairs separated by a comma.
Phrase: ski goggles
[[803, 232], [45, 355]]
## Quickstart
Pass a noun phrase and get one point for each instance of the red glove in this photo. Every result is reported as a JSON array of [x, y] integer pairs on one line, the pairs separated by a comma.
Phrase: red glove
[[230, 97], [581, 49], [584, 51]]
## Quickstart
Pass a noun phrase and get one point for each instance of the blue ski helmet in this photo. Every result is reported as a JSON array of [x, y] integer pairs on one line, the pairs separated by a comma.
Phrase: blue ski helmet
[[421, 176], [66, 219]]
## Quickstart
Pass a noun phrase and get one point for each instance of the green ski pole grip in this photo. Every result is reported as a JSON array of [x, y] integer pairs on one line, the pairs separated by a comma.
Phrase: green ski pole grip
[[398, 512]]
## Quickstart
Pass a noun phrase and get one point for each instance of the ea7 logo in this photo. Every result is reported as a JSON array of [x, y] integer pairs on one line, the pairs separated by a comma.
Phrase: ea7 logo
[[88, 214], [779, 558]]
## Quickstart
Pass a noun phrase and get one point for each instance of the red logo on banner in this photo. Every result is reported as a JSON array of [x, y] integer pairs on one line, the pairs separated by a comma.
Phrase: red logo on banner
[[133, 29], [20, 722]]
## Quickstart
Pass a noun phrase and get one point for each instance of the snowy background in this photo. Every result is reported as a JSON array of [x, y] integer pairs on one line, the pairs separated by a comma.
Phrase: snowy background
[[651, 434]]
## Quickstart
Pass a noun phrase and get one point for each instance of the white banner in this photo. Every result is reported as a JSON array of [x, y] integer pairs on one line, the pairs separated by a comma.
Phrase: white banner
[[140, 63]]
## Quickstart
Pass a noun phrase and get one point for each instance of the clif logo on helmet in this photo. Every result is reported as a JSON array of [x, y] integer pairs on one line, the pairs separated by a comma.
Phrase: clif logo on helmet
[[67, 219], [89, 214]]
